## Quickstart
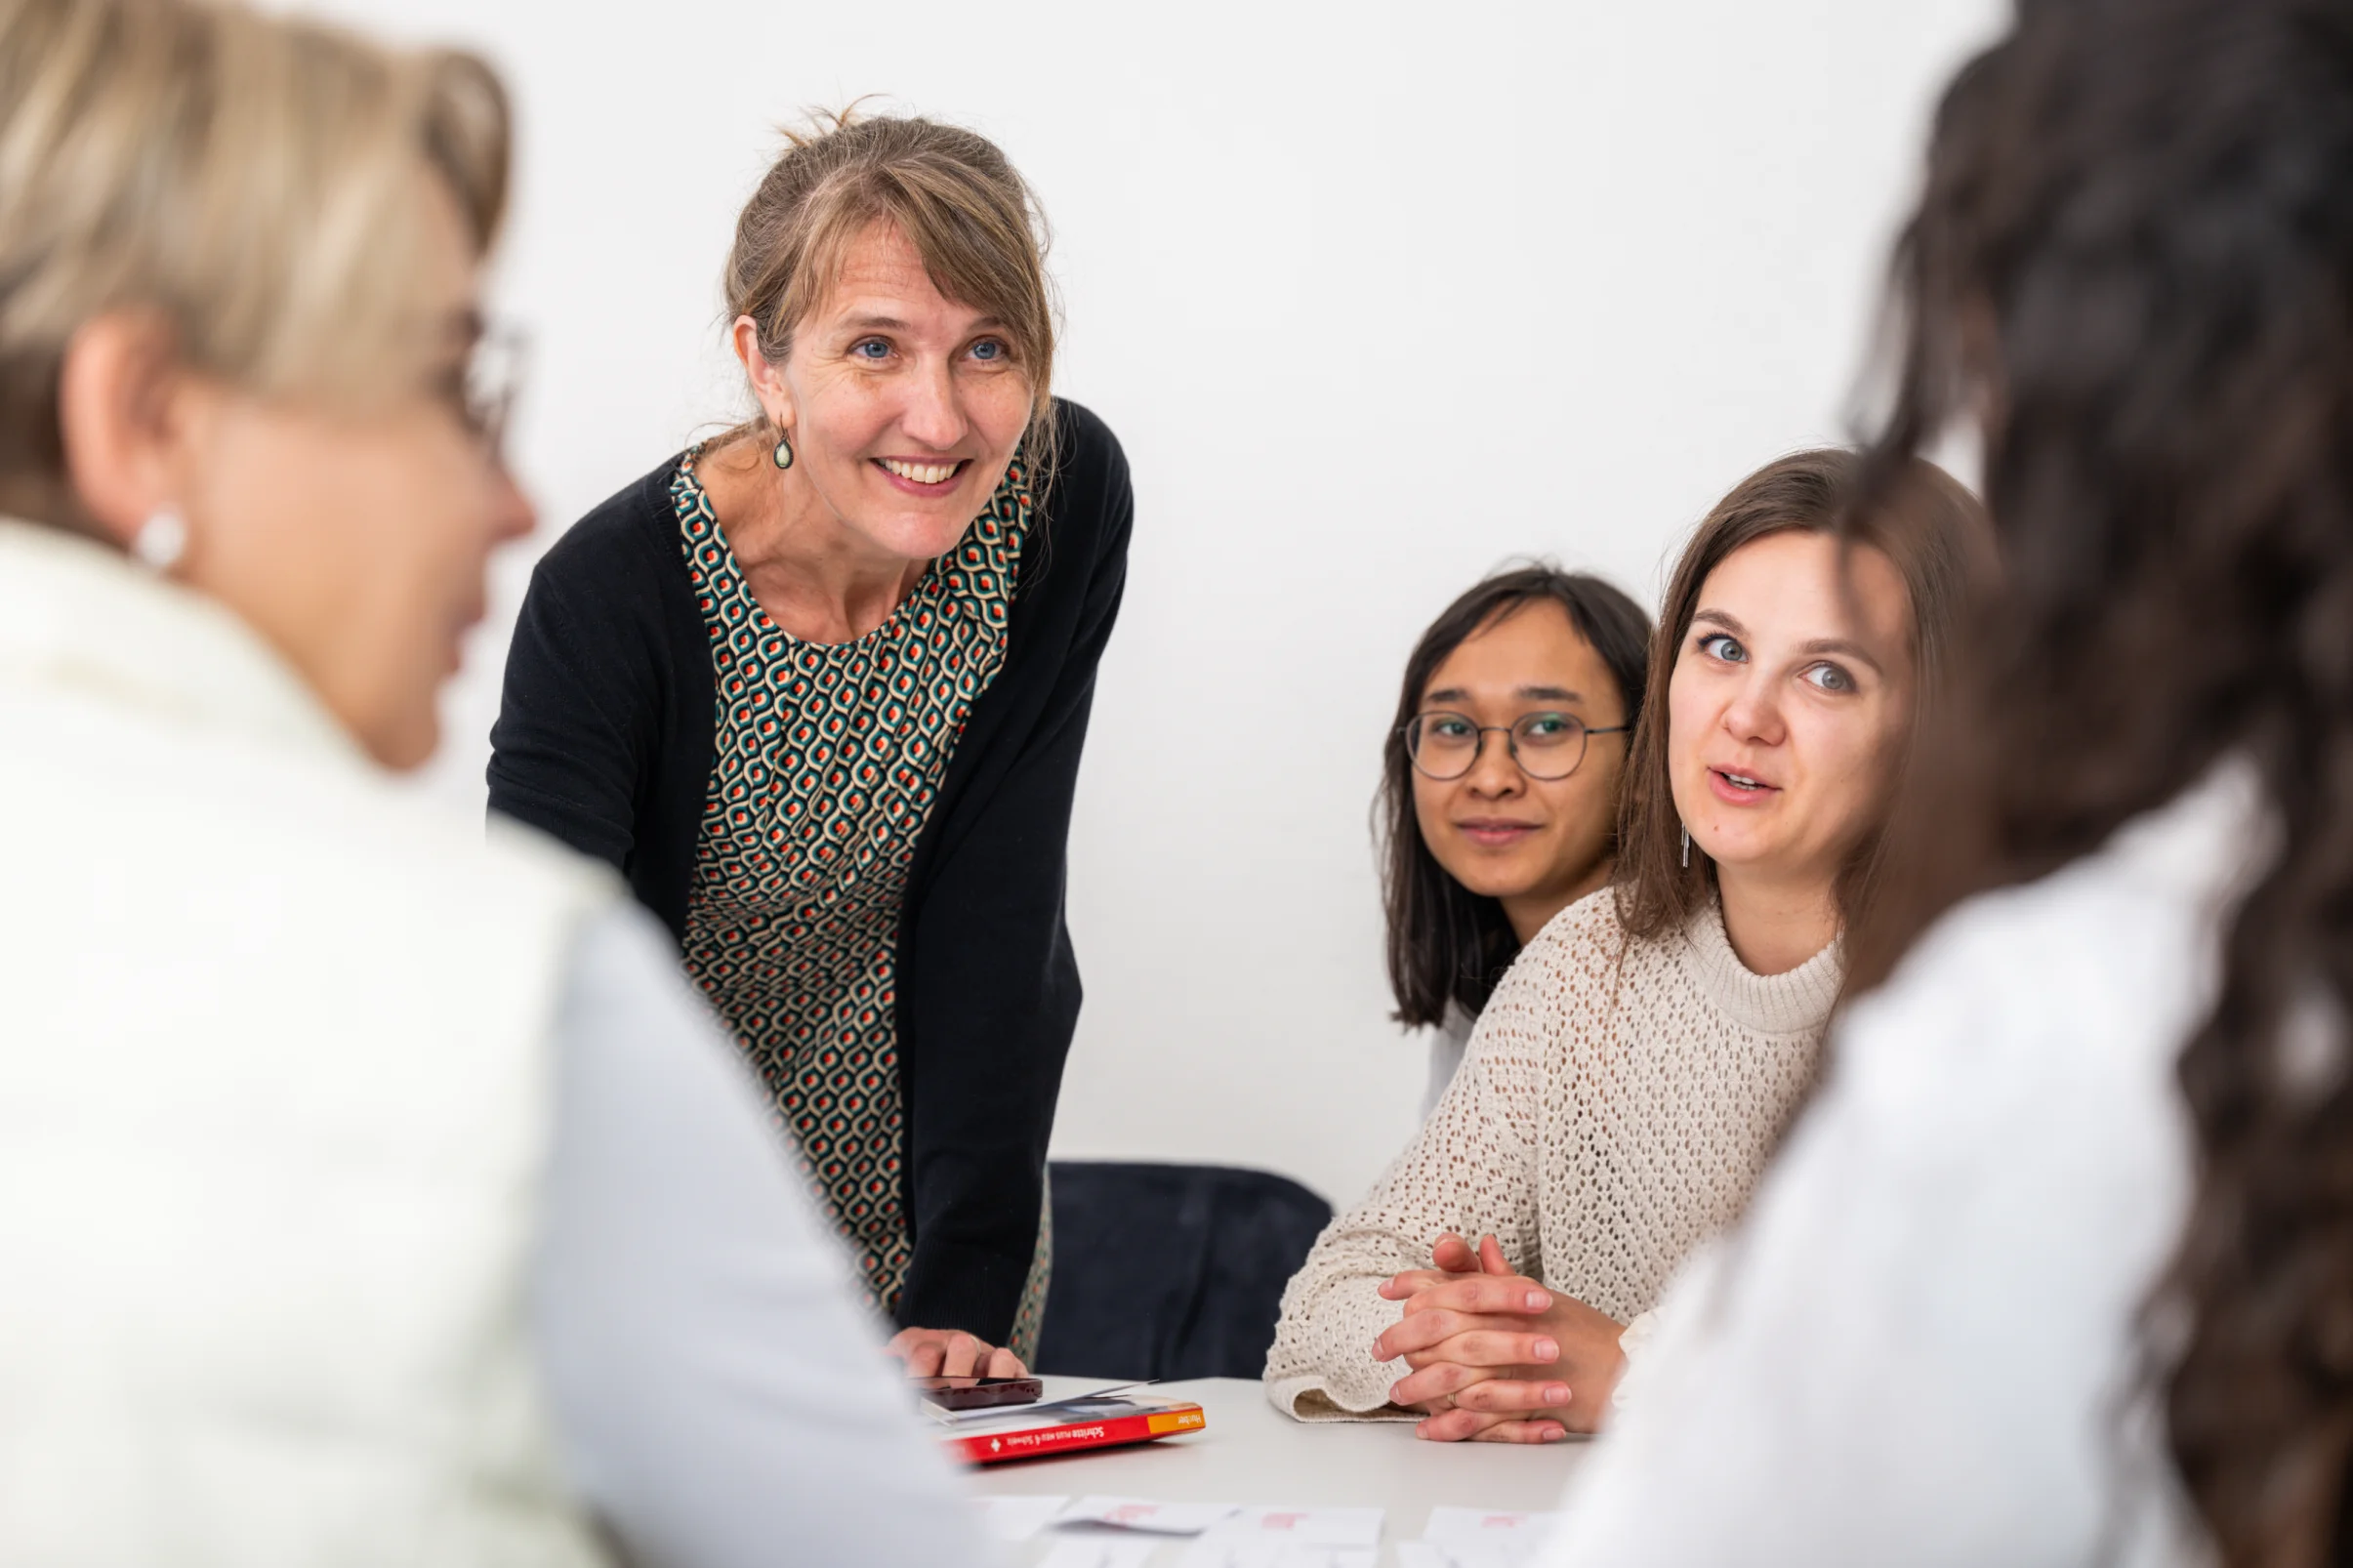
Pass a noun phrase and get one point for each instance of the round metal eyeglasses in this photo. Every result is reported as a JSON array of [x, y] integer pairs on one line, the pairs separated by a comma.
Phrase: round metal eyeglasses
[[1548, 746], [487, 386]]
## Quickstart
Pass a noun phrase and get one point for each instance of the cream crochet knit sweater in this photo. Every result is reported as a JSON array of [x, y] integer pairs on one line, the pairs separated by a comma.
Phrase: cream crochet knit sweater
[[1617, 1105]]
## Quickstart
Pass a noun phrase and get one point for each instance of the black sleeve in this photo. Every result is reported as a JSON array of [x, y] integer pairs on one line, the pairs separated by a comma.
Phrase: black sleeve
[[580, 738], [998, 993]]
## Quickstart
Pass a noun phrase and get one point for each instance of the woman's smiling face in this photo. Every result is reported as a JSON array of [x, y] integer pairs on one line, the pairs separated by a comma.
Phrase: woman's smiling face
[[1790, 694], [904, 407], [1535, 844]]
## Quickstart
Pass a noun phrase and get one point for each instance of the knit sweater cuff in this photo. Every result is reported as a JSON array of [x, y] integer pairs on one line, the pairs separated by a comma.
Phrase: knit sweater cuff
[[1306, 1398], [1331, 1375], [1633, 1344]]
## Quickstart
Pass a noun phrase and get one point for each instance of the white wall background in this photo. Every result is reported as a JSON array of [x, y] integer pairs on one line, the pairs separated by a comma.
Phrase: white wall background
[[1378, 295]]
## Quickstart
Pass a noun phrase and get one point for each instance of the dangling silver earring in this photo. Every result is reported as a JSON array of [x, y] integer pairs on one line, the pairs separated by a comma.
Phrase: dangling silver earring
[[1686, 848], [783, 455], [162, 541]]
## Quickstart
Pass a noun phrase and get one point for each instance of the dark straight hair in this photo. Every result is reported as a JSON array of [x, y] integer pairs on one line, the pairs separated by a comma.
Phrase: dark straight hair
[[2133, 266], [1445, 943], [1927, 526]]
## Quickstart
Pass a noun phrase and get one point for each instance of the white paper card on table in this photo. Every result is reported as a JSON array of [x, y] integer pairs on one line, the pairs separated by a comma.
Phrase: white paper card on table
[[1487, 1538], [1486, 1524], [1492, 1554], [1316, 1527], [1141, 1513], [1100, 1551], [1209, 1552], [1421, 1554], [1012, 1519]]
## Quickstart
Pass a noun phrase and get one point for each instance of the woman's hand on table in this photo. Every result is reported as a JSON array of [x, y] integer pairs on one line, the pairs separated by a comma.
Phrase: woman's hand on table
[[1496, 1356], [953, 1353]]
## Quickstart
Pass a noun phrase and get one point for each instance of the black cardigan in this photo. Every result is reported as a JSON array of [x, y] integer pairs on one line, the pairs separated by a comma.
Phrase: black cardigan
[[605, 739]]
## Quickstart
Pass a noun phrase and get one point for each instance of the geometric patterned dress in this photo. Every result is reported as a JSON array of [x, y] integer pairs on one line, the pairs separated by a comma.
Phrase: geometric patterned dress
[[829, 757]]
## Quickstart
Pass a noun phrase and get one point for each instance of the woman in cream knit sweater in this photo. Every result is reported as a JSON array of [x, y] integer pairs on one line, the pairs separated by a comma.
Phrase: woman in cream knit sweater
[[1633, 1071]]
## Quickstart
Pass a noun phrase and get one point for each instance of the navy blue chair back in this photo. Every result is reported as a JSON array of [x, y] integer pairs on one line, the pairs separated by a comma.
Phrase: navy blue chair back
[[1170, 1271]]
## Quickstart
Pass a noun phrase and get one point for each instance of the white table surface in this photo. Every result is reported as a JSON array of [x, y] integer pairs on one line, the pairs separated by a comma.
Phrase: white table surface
[[1252, 1454]]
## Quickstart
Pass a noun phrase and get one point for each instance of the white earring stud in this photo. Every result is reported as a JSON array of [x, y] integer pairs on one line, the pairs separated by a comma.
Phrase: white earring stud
[[161, 539]]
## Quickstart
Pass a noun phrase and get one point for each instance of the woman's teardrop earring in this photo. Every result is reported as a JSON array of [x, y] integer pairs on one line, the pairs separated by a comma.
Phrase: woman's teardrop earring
[[1686, 848], [782, 457], [162, 541]]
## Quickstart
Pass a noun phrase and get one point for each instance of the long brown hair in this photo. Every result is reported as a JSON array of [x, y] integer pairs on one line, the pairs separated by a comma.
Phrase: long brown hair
[[1445, 943], [2134, 252], [1927, 526]]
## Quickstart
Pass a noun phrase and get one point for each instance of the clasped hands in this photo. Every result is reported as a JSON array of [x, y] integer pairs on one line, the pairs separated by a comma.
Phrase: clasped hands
[[1497, 1357]]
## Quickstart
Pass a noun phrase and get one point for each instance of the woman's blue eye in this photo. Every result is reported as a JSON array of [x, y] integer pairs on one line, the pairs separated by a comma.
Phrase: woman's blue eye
[[988, 351], [1719, 645], [868, 348], [1830, 677]]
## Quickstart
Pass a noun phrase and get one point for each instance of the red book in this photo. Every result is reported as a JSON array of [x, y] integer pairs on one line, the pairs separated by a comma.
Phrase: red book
[[1029, 1432]]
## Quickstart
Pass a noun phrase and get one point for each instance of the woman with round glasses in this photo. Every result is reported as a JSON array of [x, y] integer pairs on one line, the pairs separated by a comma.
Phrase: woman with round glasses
[[1497, 810], [1633, 1071]]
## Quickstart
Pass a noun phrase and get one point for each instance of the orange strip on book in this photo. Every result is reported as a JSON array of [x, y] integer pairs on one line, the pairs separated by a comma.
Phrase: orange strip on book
[[994, 1444]]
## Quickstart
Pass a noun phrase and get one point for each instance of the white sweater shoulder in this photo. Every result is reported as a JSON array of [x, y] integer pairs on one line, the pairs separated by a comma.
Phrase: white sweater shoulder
[[275, 1064], [1922, 1345], [1618, 1100]]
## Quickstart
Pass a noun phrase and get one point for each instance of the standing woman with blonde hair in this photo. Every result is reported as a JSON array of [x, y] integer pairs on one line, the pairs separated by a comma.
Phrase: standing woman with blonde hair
[[369, 1192], [818, 689]]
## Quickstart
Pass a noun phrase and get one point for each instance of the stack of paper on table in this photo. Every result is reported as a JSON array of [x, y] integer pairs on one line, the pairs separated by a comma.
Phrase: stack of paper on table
[[1477, 1537], [1012, 1519], [1288, 1537], [1114, 1532]]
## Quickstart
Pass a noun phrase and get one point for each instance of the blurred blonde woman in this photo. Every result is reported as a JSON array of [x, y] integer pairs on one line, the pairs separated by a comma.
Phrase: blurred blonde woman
[[369, 1193]]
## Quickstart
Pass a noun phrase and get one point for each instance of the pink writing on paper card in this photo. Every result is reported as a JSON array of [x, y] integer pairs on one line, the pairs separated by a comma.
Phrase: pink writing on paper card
[[1321, 1527], [1482, 1524], [1141, 1513]]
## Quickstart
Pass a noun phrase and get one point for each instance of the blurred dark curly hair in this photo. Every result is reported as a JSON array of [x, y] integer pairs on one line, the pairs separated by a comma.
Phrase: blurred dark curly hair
[[2133, 266]]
